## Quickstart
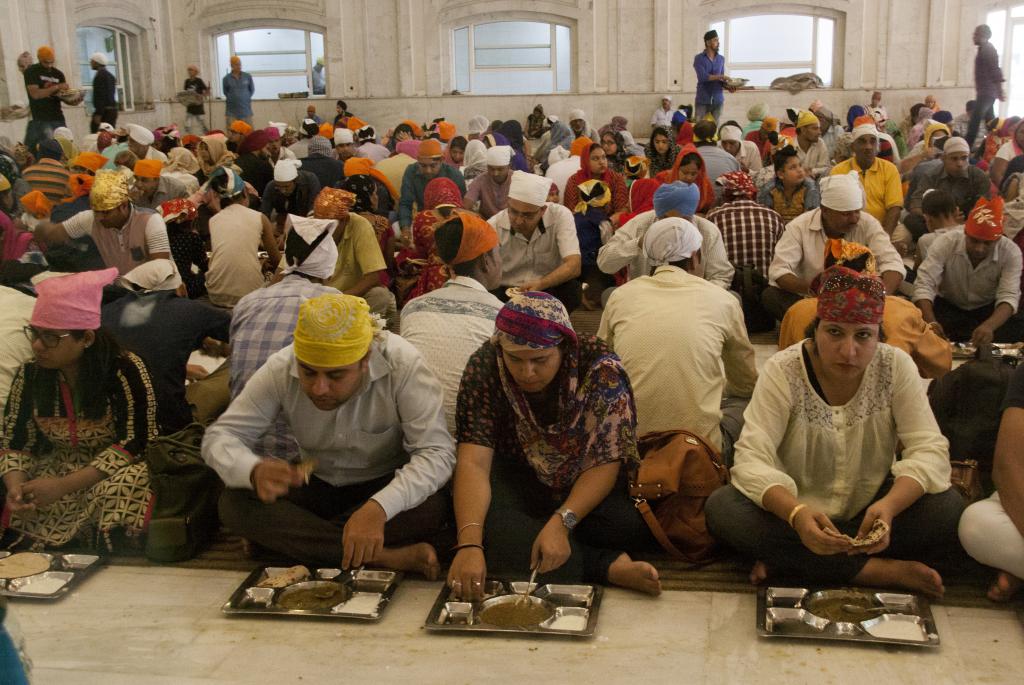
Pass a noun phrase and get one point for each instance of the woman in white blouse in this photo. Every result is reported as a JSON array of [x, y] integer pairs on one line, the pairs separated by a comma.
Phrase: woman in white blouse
[[816, 463]]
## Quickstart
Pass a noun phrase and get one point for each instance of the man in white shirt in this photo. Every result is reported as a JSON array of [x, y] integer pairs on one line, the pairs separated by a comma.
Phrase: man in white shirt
[[663, 115], [681, 386], [449, 324], [367, 415], [625, 247], [800, 252], [810, 148], [538, 243], [970, 281], [140, 142]]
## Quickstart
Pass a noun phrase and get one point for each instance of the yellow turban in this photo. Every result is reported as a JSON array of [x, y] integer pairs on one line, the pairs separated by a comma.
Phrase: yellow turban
[[333, 331], [805, 118], [110, 190]]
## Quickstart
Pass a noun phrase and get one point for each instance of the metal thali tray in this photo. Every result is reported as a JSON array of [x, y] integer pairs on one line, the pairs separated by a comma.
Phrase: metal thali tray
[[572, 610], [967, 350], [66, 572], [363, 594], [894, 618]]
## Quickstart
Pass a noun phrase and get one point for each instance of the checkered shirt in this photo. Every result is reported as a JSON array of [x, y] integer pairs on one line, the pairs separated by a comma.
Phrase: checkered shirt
[[749, 231]]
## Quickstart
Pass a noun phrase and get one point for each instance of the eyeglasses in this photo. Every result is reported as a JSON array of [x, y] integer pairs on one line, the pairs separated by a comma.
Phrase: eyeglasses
[[49, 340]]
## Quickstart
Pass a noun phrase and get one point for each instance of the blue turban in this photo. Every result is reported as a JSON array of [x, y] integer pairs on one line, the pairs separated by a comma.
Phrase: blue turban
[[943, 117], [49, 149], [678, 196], [678, 117]]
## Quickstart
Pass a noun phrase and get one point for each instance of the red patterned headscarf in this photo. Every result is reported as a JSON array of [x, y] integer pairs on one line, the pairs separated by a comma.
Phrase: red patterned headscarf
[[845, 296], [441, 191], [737, 185], [534, 319]]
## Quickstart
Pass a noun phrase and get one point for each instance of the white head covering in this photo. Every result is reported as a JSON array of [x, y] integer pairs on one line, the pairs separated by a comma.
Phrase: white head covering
[[667, 97], [98, 58], [89, 142], [478, 124], [106, 127], [343, 136], [671, 240], [552, 118], [575, 114], [731, 133], [557, 154], [64, 133], [529, 188], [140, 134], [842, 192], [286, 170], [955, 144], [864, 130], [321, 261], [279, 126], [475, 156], [499, 155], [156, 274]]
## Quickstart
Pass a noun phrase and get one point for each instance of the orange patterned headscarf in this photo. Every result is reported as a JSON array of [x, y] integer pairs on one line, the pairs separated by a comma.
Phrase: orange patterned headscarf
[[333, 203]]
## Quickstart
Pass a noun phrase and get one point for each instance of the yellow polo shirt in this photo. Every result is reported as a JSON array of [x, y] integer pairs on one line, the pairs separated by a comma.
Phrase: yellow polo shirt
[[358, 254], [881, 183]]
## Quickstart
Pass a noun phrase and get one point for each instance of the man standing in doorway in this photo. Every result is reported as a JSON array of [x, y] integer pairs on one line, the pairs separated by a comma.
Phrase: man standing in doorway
[[104, 93], [44, 82], [988, 82], [710, 68], [194, 113], [238, 89]]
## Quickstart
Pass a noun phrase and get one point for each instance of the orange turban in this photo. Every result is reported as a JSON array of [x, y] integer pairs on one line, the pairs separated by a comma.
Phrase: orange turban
[[148, 168], [45, 53], [189, 139], [770, 124], [80, 184], [355, 123], [36, 204], [93, 161], [333, 203], [446, 131], [579, 145], [478, 237], [327, 131], [985, 222], [239, 126], [865, 120], [235, 59], [417, 130], [430, 148], [361, 166]]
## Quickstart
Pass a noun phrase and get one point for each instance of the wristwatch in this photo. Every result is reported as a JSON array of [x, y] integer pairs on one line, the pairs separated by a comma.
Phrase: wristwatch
[[569, 518]]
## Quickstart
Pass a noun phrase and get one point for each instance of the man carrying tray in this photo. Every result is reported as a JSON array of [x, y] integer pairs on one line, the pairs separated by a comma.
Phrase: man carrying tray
[[364, 408]]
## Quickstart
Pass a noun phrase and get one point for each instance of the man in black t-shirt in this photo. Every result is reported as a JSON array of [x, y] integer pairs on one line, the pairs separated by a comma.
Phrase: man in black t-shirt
[[104, 93], [44, 82], [194, 113]]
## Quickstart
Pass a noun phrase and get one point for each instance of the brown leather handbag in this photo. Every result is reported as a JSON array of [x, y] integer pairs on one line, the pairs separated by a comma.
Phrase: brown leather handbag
[[966, 479], [678, 472]]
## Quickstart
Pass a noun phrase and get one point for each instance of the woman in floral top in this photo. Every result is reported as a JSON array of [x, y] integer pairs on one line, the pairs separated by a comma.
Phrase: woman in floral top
[[76, 424], [545, 421]]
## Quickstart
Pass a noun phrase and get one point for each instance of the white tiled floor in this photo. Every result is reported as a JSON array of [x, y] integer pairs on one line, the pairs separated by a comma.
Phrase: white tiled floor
[[163, 625]]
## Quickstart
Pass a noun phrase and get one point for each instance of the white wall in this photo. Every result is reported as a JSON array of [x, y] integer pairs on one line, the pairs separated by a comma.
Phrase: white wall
[[389, 59]]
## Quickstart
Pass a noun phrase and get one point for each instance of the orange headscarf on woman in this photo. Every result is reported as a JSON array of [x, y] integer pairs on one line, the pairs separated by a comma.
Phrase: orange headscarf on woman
[[707, 191]]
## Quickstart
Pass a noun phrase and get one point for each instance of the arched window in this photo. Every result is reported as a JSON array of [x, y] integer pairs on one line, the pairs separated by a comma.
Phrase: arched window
[[280, 60], [765, 47], [512, 57], [116, 45]]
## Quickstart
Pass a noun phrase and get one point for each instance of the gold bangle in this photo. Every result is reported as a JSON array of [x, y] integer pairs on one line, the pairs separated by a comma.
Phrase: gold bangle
[[796, 510], [467, 526]]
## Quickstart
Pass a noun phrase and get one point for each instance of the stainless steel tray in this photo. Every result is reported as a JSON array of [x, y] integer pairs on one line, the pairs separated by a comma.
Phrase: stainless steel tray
[[575, 610], [370, 592], [967, 350], [66, 572], [783, 612]]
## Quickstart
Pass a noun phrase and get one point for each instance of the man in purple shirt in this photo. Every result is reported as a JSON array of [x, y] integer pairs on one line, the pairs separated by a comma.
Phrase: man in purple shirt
[[988, 82], [710, 68]]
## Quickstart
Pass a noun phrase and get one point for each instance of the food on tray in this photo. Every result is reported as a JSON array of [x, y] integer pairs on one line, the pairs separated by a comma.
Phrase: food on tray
[[24, 564], [45, 584], [515, 614], [878, 531], [290, 576], [842, 606], [363, 603], [323, 595]]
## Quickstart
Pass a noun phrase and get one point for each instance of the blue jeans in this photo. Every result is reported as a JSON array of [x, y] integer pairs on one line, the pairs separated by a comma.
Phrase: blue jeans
[[699, 110]]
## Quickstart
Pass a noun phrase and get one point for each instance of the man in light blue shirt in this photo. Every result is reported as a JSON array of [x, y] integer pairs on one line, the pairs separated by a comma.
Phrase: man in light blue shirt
[[238, 88]]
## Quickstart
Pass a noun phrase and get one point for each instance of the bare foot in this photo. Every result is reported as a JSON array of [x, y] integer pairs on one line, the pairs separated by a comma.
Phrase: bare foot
[[1005, 587], [419, 558], [911, 575], [759, 573], [634, 575]]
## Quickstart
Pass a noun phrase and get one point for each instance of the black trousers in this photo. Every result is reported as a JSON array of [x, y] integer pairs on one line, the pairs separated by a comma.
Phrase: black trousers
[[983, 111], [521, 506], [108, 115], [38, 131], [959, 324], [568, 293], [778, 301], [306, 525]]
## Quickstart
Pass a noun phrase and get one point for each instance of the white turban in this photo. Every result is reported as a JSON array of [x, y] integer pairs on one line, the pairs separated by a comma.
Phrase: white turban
[[499, 155], [667, 97], [864, 130], [954, 144], [557, 154], [140, 134], [478, 124], [63, 133], [279, 126], [106, 127], [575, 114], [553, 118], [318, 262], [286, 170], [343, 136], [529, 188], [156, 274], [842, 192], [731, 133], [671, 240], [98, 58]]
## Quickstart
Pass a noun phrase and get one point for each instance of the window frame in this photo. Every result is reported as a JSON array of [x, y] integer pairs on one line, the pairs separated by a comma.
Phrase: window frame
[[218, 89], [552, 68], [122, 58], [721, 23]]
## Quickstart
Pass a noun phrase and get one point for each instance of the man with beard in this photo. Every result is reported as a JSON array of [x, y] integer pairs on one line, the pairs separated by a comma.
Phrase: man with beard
[[490, 190], [966, 184], [810, 148]]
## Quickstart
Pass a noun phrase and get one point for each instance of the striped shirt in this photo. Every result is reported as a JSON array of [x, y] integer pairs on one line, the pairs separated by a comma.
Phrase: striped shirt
[[49, 177], [749, 232]]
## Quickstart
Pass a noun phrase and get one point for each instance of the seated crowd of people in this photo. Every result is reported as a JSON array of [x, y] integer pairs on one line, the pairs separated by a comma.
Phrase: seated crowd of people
[[403, 385]]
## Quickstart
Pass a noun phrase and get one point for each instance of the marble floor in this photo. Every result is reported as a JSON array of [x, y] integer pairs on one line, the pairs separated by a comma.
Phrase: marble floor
[[135, 625]]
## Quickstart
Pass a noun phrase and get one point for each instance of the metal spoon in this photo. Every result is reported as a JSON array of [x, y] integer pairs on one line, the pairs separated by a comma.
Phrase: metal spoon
[[857, 609], [524, 598]]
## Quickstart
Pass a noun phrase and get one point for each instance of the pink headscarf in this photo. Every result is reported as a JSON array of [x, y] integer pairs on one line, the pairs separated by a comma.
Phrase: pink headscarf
[[409, 147], [71, 302]]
